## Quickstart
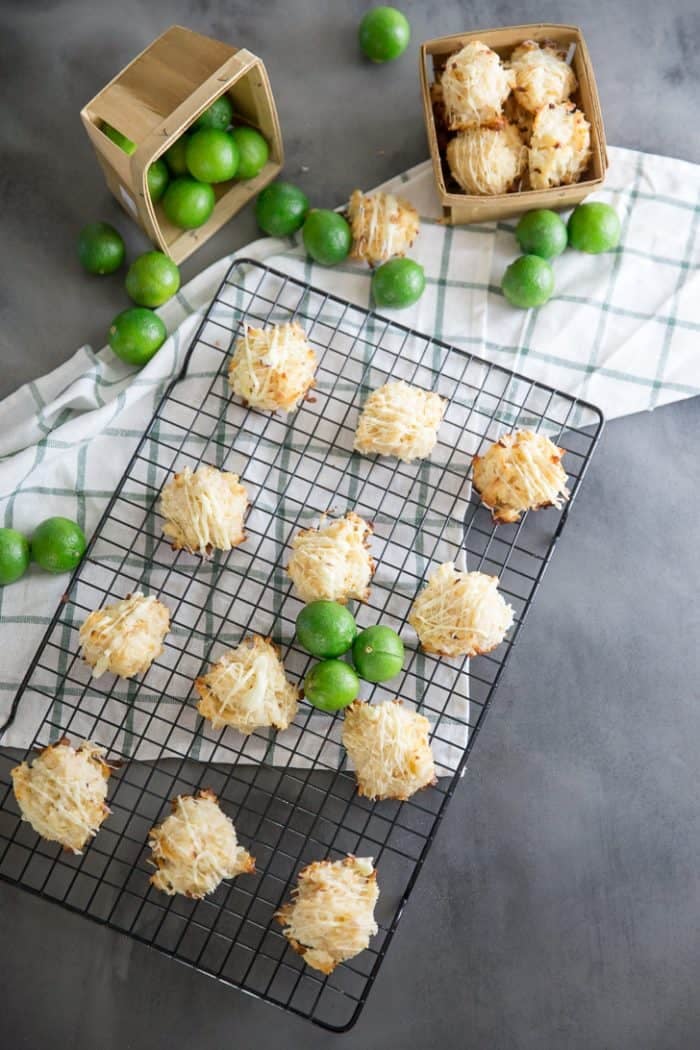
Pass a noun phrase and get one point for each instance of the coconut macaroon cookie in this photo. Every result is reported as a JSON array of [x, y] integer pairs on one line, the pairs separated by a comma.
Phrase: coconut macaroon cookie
[[331, 915], [389, 747], [541, 75], [487, 160], [204, 510], [475, 84], [399, 420], [125, 637], [196, 848], [272, 369], [521, 471], [560, 146], [460, 613], [333, 562], [62, 793], [382, 226], [247, 689]]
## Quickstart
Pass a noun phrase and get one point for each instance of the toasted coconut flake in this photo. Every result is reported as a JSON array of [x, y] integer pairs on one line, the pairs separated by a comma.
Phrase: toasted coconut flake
[[487, 160], [204, 510], [389, 747], [333, 562], [272, 369], [400, 420], [560, 146], [382, 226], [126, 636], [475, 84], [521, 471], [541, 75]]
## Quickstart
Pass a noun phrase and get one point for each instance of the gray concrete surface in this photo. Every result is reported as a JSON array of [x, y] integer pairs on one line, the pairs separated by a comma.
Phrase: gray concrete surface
[[558, 909]]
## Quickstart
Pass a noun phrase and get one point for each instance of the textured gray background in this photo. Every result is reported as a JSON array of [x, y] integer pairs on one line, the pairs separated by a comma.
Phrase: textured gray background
[[559, 905]]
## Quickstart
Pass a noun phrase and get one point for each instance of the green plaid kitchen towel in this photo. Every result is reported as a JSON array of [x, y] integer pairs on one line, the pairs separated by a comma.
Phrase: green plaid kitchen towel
[[621, 331]]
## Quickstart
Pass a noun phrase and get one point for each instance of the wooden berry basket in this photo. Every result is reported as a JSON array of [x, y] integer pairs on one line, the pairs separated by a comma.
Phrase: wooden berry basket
[[462, 208], [154, 100]]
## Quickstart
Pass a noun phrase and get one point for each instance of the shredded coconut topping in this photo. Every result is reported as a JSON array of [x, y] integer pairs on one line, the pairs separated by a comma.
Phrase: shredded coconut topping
[[389, 747], [62, 793], [247, 689], [204, 510], [460, 613], [333, 562], [487, 160], [331, 916], [541, 75], [400, 420], [475, 84], [521, 471], [382, 226], [272, 369], [125, 637], [196, 848]]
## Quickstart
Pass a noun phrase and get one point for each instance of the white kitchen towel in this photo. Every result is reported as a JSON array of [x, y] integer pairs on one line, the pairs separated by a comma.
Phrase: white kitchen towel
[[621, 331]]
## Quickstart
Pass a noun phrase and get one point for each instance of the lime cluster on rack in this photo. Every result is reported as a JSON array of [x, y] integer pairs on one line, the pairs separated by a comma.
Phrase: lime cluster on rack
[[57, 545], [328, 631]]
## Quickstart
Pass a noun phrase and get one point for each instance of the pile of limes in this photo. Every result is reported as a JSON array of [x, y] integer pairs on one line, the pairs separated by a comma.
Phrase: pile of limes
[[57, 545], [529, 281], [328, 630]]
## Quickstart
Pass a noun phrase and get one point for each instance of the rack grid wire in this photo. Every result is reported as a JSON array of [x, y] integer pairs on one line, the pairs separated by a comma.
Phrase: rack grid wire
[[291, 795]]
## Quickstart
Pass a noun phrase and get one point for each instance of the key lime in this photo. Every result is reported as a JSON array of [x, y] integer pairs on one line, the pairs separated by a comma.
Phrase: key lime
[[188, 203], [253, 151], [398, 283], [100, 248], [280, 209], [542, 233], [58, 544], [211, 155], [384, 34], [217, 116], [158, 178], [331, 685], [14, 556], [152, 279], [117, 138], [377, 654], [325, 629], [135, 335], [175, 156], [594, 228], [528, 282], [327, 236]]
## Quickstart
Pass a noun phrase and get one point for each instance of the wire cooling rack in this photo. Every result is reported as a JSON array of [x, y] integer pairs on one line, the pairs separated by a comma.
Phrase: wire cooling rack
[[291, 796]]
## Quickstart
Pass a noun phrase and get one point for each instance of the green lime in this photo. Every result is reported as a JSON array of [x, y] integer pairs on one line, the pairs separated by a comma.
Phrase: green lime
[[326, 629], [58, 544], [217, 116], [14, 556], [384, 34], [280, 209], [594, 228], [158, 178], [152, 279], [136, 334], [100, 248], [528, 282], [175, 156], [117, 138], [211, 155], [331, 685], [542, 233], [253, 151], [327, 236], [188, 203], [398, 283], [377, 654]]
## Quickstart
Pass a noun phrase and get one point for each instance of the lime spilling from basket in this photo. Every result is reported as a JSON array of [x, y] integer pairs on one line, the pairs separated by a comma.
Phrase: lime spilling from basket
[[384, 34], [58, 544], [541, 232], [175, 156], [280, 209], [14, 556], [331, 685], [158, 178], [217, 116], [377, 654], [211, 155], [253, 151], [528, 282], [136, 335], [398, 283], [100, 248], [594, 228], [188, 203], [325, 629], [152, 279], [327, 236]]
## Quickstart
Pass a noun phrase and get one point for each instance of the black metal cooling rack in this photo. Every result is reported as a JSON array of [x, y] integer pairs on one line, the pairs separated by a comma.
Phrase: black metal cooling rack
[[290, 795]]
